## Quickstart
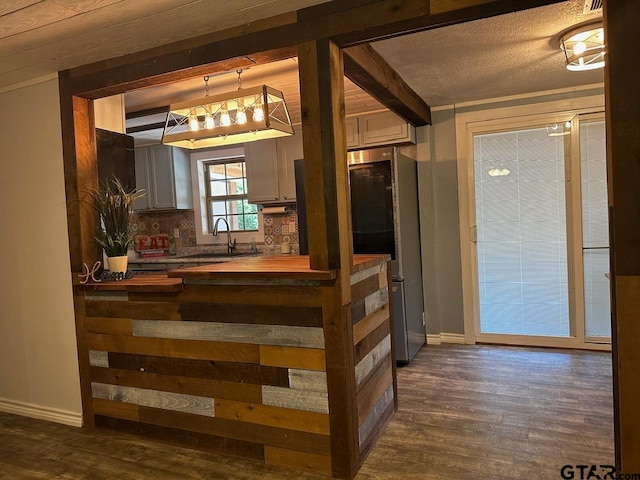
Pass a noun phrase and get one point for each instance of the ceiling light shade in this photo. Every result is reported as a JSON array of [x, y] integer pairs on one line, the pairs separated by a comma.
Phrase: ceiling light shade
[[583, 47], [499, 172], [241, 116], [559, 129]]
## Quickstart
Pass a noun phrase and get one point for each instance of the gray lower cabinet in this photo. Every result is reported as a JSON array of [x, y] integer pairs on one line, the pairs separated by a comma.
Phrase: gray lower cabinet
[[165, 174], [270, 174]]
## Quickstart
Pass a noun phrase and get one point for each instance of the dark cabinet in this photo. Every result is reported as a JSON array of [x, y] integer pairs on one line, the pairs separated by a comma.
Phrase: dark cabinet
[[116, 157]]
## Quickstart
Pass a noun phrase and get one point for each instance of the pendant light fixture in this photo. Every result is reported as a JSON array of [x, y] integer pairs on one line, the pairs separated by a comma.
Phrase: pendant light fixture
[[583, 47], [245, 115]]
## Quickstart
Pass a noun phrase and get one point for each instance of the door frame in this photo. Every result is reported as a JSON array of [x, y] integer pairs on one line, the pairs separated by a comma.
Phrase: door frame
[[500, 119]]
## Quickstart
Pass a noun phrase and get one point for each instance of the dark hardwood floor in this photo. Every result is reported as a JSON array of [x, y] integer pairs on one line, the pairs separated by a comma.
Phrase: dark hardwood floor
[[466, 412]]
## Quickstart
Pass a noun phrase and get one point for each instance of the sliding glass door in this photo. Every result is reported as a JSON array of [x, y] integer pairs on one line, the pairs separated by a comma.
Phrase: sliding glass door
[[541, 239], [521, 232], [595, 231]]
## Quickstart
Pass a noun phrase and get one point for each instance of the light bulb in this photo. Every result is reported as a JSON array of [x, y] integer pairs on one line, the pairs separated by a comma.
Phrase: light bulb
[[241, 116], [258, 112], [579, 48], [225, 119], [193, 121], [209, 123]]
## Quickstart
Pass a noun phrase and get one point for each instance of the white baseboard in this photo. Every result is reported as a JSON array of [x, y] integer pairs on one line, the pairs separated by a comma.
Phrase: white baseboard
[[41, 413], [434, 339], [440, 338]]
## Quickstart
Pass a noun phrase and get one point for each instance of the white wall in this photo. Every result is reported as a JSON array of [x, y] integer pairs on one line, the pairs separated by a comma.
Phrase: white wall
[[109, 113], [38, 356]]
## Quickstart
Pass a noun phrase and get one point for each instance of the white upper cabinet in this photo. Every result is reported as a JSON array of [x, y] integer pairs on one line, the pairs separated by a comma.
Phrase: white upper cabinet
[[270, 173], [261, 160], [377, 129], [352, 132], [165, 174], [288, 149]]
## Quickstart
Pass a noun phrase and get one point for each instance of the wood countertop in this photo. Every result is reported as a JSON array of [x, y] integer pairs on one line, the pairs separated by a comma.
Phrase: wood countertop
[[140, 283], [291, 267], [294, 267]]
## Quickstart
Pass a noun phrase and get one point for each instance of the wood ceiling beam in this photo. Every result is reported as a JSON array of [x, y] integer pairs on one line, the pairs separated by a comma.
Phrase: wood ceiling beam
[[147, 112], [346, 22], [366, 68]]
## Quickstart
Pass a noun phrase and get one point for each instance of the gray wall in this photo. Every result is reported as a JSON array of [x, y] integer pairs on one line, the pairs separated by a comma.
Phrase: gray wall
[[440, 230]]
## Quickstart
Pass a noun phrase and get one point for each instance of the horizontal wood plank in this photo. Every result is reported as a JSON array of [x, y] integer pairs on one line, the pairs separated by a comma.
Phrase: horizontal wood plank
[[106, 296], [368, 324], [361, 274], [292, 357], [193, 404], [270, 267], [358, 311], [189, 368], [373, 419], [376, 300], [267, 435], [166, 347], [180, 437], [372, 360], [139, 310], [98, 359], [308, 462], [246, 392], [115, 409], [364, 288], [111, 326], [365, 345], [307, 337], [286, 418], [308, 380], [373, 388], [284, 295], [376, 431], [295, 399], [255, 314], [143, 283]]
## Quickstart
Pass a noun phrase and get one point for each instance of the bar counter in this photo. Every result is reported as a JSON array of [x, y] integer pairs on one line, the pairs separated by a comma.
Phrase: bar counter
[[236, 358]]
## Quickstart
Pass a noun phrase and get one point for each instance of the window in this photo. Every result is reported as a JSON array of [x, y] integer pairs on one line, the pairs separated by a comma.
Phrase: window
[[219, 180], [226, 196]]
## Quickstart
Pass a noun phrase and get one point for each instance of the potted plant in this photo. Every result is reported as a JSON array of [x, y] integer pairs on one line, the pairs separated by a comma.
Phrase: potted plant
[[114, 204]]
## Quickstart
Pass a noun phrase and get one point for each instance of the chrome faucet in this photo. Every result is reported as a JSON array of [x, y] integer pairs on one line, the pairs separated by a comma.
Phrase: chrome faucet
[[230, 246]]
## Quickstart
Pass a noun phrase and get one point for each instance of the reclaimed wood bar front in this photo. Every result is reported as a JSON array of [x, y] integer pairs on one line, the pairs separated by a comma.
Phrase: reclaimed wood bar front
[[231, 358]]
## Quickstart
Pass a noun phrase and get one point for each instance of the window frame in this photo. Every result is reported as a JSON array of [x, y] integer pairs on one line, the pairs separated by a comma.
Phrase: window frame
[[201, 223], [211, 198]]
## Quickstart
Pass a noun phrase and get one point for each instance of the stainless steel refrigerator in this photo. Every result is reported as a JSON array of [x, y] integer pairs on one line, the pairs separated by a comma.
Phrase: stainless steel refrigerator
[[385, 219]]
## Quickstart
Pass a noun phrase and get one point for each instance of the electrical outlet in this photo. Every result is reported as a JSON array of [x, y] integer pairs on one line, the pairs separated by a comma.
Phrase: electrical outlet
[[176, 233]]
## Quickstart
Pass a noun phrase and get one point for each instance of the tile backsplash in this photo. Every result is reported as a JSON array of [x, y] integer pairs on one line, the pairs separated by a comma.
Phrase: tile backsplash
[[278, 228]]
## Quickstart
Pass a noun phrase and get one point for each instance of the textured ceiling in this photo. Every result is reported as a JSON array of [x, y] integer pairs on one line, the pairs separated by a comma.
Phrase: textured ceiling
[[499, 56]]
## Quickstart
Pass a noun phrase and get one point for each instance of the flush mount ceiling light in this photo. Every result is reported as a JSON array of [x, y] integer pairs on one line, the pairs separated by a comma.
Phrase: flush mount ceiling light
[[583, 47], [245, 115]]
